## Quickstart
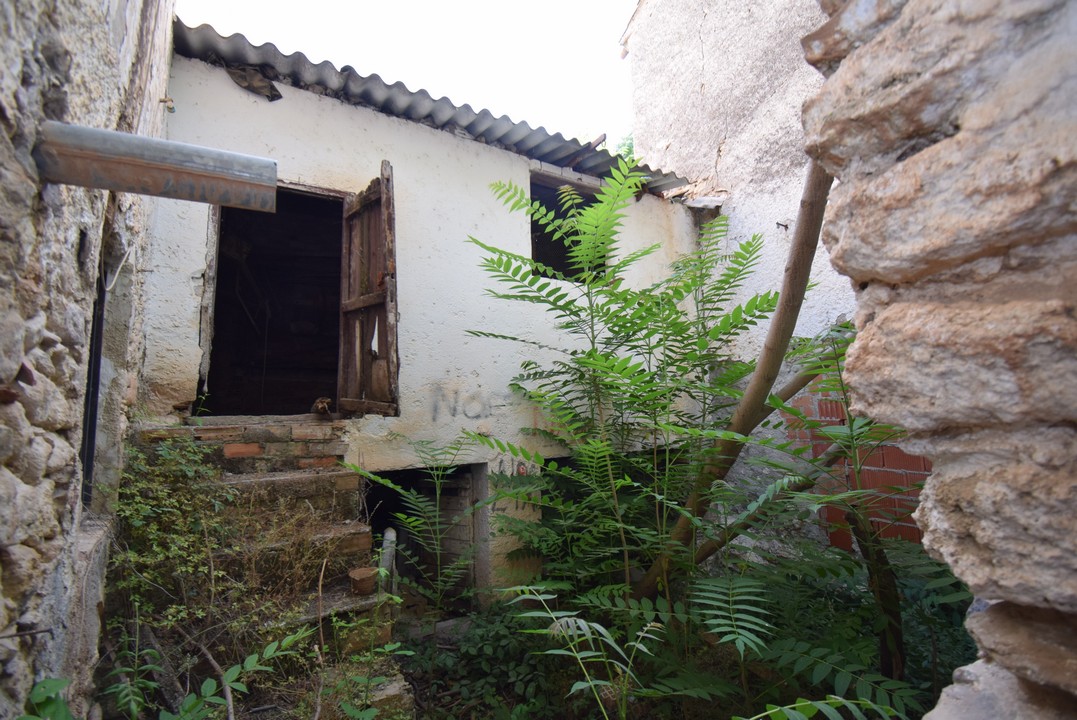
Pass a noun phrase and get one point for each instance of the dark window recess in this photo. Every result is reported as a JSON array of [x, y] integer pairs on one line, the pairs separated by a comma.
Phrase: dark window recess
[[545, 249], [275, 343], [306, 306]]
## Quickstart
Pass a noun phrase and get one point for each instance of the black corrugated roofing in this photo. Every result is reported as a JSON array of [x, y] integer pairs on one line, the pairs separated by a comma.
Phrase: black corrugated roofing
[[204, 43]]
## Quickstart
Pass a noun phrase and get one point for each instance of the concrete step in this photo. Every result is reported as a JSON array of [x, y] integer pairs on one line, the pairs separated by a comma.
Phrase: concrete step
[[333, 493]]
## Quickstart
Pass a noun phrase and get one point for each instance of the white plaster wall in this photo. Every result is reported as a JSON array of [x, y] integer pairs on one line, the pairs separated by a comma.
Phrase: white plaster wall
[[448, 380], [717, 91]]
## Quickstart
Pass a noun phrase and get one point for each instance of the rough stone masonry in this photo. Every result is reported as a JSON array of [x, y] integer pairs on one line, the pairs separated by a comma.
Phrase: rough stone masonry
[[102, 65], [952, 128]]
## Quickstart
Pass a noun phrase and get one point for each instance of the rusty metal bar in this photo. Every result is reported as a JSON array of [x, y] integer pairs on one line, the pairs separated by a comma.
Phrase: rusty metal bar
[[110, 160]]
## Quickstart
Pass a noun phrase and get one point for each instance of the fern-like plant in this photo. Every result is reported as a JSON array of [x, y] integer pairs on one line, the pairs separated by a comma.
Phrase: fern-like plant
[[427, 522], [631, 362]]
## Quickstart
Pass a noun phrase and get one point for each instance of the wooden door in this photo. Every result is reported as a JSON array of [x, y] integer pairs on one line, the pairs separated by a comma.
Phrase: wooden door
[[369, 362]]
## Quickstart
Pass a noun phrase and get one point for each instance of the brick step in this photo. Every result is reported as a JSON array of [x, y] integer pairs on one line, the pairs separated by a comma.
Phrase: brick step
[[337, 599], [288, 556], [332, 493], [261, 444]]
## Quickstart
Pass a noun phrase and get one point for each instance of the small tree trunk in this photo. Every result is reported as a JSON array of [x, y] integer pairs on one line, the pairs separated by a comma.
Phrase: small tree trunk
[[752, 408], [884, 587]]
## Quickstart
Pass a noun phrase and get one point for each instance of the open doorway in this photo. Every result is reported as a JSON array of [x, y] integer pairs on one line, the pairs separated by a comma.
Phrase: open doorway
[[276, 317]]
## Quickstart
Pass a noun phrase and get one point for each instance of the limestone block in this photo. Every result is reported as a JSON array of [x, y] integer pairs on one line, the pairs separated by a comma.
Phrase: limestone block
[[12, 330], [47, 407], [9, 489], [907, 87], [14, 430], [850, 26], [967, 364], [966, 197], [33, 461], [21, 566], [36, 516], [984, 691], [62, 455], [1038, 273], [1035, 644], [999, 510], [37, 334]]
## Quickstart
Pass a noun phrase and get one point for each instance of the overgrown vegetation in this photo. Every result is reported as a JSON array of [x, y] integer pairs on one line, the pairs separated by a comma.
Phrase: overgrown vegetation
[[660, 589], [200, 575], [641, 392]]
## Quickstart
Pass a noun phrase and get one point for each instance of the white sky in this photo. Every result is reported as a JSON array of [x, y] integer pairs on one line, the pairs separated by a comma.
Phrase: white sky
[[554, 63]]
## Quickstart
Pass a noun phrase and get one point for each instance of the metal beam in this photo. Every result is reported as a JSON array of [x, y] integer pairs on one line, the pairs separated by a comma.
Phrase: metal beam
[[110, 160]]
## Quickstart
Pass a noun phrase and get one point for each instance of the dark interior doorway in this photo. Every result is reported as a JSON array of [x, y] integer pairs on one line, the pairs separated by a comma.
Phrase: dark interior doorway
[[276, 319]]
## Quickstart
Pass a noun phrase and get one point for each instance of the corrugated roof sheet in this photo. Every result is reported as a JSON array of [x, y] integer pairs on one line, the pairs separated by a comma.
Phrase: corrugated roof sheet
[[204, 43]]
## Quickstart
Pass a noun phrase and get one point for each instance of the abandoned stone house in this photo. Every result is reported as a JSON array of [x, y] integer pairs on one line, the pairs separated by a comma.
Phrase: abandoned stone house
[[953, 218], [359, 288]]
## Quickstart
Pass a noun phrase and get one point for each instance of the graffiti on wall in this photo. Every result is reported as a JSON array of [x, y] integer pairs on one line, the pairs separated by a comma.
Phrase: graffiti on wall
[[447, 400]]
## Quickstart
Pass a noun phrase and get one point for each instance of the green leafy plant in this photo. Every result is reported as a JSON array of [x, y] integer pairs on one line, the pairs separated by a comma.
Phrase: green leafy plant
[[490, 667], [651, 410], [133, 684], [828, 708], [170, 532], [607, 666], [47, 701], [212, 694], [634, 362], [428, 524]]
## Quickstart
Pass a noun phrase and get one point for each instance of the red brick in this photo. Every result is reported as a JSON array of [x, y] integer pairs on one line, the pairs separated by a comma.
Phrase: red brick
[[898, 459], [242, 450], [336, 448], [905, 532], [841, 539], [286, 449], [875, 478], [831, 410]]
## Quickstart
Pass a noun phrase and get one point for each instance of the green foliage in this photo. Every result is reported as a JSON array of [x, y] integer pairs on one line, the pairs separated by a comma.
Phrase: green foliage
[[428, 524], [170, 529], [608, 667], [734, 609], [133, 684], [827, 666], [637, 390], [632, 363], [492, 667], [47, 701], [209, 696], [828, 708]]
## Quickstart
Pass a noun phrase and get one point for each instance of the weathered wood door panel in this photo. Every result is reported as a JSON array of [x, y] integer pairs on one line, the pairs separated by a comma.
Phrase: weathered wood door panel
[[369, 362]]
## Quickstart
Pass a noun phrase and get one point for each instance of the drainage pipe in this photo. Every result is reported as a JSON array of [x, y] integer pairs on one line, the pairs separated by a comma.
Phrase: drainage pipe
[[111, 160]]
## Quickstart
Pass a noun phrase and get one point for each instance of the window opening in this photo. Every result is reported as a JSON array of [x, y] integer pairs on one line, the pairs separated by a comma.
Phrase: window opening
[[277, 307], [545, 248]]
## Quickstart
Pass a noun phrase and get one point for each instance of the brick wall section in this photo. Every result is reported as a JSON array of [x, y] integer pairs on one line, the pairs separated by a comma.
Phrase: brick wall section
[[896, 474], [258, 448]]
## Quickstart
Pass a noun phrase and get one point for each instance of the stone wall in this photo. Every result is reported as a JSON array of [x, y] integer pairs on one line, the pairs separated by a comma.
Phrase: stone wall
[[100, 64], [950, 126]]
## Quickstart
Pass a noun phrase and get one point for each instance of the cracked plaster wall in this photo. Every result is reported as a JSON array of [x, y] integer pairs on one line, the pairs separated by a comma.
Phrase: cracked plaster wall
[[717, 90]]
